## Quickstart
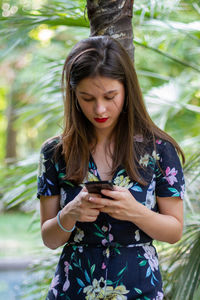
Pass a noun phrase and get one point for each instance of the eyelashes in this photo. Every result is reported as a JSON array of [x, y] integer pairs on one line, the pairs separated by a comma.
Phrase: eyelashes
[[109, 98], [92, 99]]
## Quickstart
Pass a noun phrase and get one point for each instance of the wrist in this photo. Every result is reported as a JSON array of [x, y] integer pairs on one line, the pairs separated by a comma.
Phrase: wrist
[[68, 213], [138, 213], [65, 222]]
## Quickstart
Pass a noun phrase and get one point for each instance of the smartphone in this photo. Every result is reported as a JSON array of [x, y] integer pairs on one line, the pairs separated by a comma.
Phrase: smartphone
[[95, 187]]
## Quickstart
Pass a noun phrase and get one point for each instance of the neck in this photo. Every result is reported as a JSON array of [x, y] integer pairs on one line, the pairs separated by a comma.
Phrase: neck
[[103, 137], [103, 141]]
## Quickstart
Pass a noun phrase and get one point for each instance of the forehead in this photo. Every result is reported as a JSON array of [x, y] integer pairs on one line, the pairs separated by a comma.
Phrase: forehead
[[99, 83]]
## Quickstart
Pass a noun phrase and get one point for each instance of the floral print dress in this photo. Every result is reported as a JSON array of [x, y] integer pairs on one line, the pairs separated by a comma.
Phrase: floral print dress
[[111, 259]]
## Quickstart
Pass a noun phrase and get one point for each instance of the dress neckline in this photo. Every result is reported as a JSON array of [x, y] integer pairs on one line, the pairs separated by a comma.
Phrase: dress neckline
[[93, 166]]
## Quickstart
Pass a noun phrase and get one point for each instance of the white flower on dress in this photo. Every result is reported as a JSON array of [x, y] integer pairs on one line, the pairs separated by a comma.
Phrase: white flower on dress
[[182, 193], [150, 201], [63, 197], [41, 167], [79, 235], [99, 290], [144, 160], [96, 290], [159, 296], [117, 293], [137, 235], [91, 177], [55, 281], [150, 255], [123, 181], [155, 155]]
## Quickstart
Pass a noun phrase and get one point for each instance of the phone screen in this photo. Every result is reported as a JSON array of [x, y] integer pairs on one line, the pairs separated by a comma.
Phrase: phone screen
[[96, 186]]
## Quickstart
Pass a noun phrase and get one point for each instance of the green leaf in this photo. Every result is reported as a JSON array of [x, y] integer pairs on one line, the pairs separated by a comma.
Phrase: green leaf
[[143, 263], [109, 282], [120, 172], [117, 251], [98, 228], [138, 291], [92, 269], [99, 234], [87, 276], [120, 272], [80, 282]]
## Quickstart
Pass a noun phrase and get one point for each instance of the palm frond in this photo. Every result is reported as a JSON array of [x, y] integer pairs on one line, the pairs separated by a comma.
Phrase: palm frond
[[15, 29], [167, 55], [183, 263]]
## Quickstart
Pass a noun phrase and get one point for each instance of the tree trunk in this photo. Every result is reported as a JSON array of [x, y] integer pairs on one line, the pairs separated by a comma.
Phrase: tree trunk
[[113, 18]]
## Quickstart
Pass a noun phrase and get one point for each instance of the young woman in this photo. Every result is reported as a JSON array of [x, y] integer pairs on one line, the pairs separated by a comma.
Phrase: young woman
[[108, 135]]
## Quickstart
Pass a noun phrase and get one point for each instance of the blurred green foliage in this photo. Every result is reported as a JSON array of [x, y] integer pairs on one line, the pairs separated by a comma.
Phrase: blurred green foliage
[[35, 38]]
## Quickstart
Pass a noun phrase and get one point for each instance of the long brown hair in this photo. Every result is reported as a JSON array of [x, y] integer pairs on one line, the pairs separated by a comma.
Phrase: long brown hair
[[104, 56]]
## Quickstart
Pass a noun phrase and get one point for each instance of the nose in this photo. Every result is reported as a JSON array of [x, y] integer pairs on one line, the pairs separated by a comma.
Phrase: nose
[[99, 107]]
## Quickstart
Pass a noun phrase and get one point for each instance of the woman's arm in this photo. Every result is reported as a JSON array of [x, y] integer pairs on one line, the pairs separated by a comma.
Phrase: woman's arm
[[165, 226], [52, 235], [79, 209]]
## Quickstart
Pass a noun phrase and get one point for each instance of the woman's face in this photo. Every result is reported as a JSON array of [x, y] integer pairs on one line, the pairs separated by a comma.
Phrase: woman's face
[[101, 100]]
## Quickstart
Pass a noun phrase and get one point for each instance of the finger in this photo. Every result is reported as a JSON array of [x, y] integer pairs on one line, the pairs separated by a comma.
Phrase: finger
[[94, 205], [106, 210], [93, 212], [90, 219], [95, 195], [115, 195], [84, 195], [102, 201], [110, 210]]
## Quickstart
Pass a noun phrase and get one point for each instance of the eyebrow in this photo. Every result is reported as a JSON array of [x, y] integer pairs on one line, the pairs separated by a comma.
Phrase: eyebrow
[[109, 92]]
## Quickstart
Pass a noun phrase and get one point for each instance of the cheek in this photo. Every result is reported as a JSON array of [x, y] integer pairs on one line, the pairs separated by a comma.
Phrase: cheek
[[119, 104], [86, 109]]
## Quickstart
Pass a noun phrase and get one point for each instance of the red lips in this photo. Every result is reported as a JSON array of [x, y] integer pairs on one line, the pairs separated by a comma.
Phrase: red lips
[[100, 120]]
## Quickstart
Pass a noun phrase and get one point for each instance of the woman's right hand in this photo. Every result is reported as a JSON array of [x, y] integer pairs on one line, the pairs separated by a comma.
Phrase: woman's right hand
[[80, 209]]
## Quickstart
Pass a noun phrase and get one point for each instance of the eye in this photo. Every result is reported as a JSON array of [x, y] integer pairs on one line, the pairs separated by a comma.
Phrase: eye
[[88, 99], [109, 98]]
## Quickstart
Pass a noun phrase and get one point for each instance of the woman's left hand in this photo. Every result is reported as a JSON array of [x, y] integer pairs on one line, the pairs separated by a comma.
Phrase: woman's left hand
[[122, 206]]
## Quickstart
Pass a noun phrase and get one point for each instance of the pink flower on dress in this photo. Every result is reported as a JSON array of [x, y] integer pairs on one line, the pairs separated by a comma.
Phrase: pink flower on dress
[[66, 269], [171, 175], [103, 266], [158, 141], [150, 255], [66, 283], [55, 281], [104, 228], [110, 239]]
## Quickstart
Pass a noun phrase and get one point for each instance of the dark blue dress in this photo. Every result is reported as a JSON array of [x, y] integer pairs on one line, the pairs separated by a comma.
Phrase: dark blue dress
[[111, 259]]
